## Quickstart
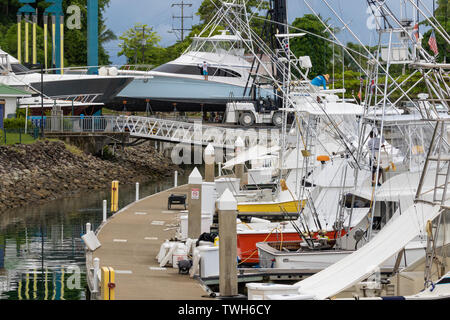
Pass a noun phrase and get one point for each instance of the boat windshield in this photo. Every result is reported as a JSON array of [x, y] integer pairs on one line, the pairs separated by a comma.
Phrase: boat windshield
[[220, 44]]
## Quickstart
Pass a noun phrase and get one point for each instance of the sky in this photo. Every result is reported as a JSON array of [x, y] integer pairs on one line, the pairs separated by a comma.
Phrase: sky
[[123, 14]]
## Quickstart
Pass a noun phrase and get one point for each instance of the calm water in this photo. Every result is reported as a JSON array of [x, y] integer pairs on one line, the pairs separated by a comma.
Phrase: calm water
[[41, 251]]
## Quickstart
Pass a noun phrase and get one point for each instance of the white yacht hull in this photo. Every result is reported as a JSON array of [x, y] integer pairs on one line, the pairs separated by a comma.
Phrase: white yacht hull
[[319, 260]]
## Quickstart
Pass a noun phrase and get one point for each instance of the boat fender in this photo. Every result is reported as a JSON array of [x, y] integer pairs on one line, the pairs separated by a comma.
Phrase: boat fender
[[429, 228], [179, 254], [168, 256]]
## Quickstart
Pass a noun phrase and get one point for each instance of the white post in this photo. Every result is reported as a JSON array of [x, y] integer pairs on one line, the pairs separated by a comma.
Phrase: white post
[[88, 227], [220, 168], [228, 280], [137, 191], [176, 179], [105, 203], [195, 204], [96, 271]]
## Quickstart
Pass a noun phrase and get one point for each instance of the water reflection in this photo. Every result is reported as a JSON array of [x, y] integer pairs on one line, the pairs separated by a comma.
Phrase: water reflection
[[41, 251]]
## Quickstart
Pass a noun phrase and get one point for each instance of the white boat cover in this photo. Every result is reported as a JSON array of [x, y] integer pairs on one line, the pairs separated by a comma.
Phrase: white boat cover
[[363, 262]]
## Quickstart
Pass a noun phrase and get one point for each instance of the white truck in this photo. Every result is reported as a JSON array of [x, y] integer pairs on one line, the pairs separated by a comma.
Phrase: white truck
[[249, 113]]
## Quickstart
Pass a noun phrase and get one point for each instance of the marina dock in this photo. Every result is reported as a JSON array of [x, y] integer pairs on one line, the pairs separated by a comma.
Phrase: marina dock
[[130, 241]]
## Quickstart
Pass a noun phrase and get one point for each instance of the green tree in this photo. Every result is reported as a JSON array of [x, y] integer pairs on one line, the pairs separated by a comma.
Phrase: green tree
[[140, 49], [319, 50]]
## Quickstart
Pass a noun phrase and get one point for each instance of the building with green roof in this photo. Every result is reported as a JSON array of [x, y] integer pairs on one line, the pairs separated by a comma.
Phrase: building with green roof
[[8, 101]]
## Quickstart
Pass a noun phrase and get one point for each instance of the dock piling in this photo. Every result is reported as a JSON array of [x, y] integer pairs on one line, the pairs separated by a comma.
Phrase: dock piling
[[228, 281], [195, 204]]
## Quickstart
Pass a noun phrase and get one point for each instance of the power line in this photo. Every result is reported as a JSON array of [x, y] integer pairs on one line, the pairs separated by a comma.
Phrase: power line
[[182, 18]]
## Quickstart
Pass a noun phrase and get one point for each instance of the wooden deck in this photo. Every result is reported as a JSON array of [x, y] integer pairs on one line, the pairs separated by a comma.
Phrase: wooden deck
[[130, 243]]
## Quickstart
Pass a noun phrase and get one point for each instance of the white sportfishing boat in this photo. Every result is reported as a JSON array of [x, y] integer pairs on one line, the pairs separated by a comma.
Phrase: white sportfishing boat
[[181, 83]]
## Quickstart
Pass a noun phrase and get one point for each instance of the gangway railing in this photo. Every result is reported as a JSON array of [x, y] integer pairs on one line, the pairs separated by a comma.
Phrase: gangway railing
[[161, 129], [193, 133]]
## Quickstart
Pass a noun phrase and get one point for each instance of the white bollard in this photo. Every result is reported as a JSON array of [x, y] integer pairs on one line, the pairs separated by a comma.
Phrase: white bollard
[[220, 168], [137, 191], [105, 216], [176, 179], [96, 271], [88, 227]]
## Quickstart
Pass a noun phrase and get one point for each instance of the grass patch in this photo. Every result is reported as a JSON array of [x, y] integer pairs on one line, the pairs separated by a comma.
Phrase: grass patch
[[13, 138], [73, 149]]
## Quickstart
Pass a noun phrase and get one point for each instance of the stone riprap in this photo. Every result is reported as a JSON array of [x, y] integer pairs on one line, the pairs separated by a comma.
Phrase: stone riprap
[[47, 170]]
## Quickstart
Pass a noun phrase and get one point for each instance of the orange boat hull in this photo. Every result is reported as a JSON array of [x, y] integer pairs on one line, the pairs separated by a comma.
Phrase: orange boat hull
[[246, 243]]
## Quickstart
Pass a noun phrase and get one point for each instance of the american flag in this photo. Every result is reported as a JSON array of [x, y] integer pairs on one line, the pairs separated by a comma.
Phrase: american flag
[[433, 43]]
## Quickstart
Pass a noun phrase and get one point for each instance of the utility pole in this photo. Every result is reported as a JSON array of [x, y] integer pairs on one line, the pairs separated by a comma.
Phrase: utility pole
[[182, 17], [143, 43]]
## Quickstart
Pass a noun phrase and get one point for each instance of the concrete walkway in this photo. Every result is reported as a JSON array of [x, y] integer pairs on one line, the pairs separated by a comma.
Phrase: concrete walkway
[[130, 241]]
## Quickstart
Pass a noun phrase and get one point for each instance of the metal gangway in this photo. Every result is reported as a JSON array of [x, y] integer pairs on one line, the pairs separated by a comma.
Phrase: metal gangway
[[193, 133]]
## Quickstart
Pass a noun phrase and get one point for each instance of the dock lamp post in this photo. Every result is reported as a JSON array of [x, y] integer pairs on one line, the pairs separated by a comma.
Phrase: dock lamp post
[[41, 67]]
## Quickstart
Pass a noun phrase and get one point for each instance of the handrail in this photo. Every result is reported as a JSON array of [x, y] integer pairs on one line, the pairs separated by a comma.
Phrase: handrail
[[158, 129]]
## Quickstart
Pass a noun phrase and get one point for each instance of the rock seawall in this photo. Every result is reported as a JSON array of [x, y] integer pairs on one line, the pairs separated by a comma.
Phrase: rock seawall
[[48, 170]]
